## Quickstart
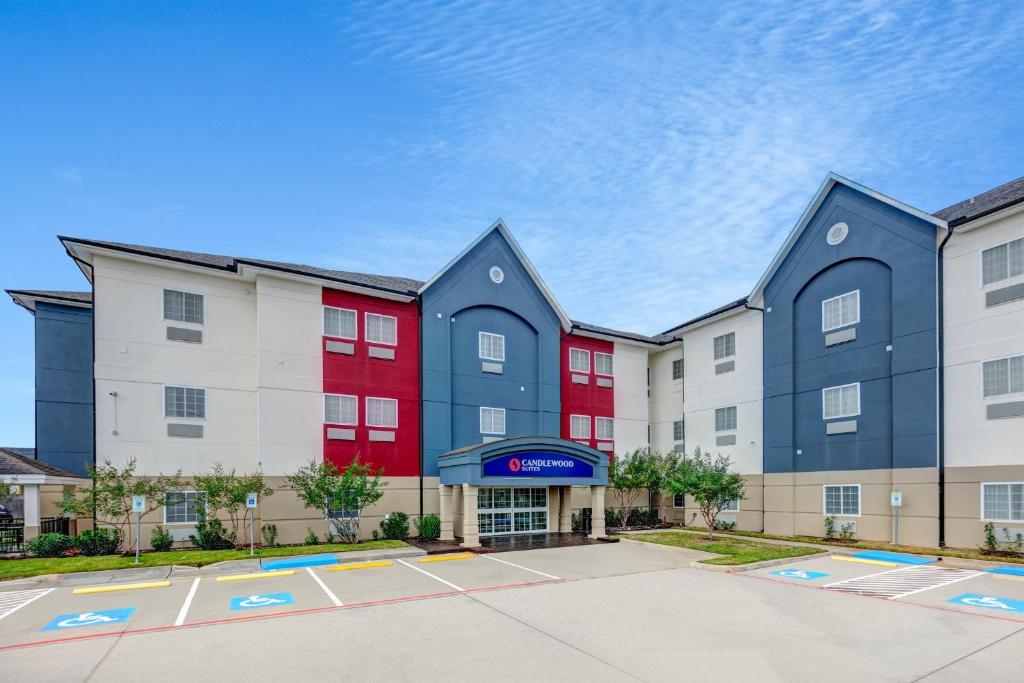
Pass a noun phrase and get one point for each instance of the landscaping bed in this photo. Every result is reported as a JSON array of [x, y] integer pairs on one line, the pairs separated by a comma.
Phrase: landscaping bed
[[35, 566], [734, 550]]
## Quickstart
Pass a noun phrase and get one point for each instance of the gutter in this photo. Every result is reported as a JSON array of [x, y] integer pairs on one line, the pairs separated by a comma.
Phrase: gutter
[[941, 388]]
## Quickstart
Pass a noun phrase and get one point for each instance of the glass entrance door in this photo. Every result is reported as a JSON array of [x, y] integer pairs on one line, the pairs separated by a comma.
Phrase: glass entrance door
[[519, 510]]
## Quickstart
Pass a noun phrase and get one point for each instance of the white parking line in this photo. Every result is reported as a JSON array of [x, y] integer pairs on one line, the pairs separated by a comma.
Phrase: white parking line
[[183, 612], [433, 576], [19, 599], [519, 566], [330, 593]]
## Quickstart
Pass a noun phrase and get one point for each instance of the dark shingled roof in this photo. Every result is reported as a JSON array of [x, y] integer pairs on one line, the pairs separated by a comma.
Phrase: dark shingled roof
[[397, 285], [597, 329], [710, 314], [26, 297], [22, 461], [985, 203]]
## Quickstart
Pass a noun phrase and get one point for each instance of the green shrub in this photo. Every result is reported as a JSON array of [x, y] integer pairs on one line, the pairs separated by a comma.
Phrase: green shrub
[[211, 535], [311, 537], [330, 538], [161, 539], [375, 535], [395, 526], [102, 541], [269, 534], [49, 545], [428, 527], [722, 525], [830, 527]]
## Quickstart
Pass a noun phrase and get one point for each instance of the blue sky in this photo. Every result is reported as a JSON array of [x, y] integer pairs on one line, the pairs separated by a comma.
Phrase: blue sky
[[649, 157]]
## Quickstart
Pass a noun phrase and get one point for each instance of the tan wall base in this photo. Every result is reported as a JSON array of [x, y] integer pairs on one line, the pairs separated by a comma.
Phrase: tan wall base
[[749, 517], [964, 525]]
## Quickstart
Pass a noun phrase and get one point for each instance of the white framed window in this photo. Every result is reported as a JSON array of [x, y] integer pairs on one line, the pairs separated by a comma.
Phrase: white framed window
[[841, 401], [184, 507], [604, 428], [677, 369], [381, 412], [579, 360], [1002, 376], [732, 506], [492, 420], [185, 402], [678, 501], [1002, 501], [840, 311], [184, 307], [725, 419], [603, 364], [382, 329], [340, 322], [492, 346], [725, 346], [341, 409], [678, 430], [1002, 262], [579, 426], [841, 499]]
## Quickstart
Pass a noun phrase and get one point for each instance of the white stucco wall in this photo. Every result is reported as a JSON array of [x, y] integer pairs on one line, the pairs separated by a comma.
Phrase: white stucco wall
[[630, 397], [666, 402]]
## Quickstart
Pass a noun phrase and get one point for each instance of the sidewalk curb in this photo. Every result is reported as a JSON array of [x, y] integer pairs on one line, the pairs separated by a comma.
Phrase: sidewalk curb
[[730, 568]]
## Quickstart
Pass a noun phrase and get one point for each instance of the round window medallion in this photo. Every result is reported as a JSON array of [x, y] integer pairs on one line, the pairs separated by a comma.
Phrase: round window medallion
[[837, 233], [497, 275]]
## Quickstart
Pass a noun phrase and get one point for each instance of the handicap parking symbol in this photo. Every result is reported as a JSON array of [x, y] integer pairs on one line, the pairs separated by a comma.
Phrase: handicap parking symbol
[[802, 574], [989, 602], [268, 600], [80, 619]]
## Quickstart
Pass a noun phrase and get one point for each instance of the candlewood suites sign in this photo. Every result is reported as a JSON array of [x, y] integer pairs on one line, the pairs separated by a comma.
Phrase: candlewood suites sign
[[538, 464]]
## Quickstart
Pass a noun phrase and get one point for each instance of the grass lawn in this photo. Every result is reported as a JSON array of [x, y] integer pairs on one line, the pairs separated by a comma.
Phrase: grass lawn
[[34, 566], [734, 550]]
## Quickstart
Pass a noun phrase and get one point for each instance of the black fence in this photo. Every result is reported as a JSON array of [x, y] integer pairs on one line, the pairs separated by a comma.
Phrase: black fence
[[12, 531], [55, 525]]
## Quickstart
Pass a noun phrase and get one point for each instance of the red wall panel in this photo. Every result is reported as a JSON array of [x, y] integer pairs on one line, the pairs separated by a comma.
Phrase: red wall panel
[[584, 399], [362, 376]]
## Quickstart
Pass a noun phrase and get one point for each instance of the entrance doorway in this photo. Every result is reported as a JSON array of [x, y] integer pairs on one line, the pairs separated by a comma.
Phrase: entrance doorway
[[512, 510]]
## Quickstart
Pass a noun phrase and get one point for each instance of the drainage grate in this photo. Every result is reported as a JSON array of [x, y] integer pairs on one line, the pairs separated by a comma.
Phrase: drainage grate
[[898, 583], [14, 600]]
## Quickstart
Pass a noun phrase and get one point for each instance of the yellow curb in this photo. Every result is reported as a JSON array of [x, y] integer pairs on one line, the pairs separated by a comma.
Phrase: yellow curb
[[358, 565], [120, 587], [448, 558], [257, 575], [880, 563]]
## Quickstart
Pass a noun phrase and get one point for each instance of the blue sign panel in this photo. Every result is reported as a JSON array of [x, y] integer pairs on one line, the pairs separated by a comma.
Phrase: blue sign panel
[[802, 574], [80, 619], [538, 464], [268, 600], [989, 602]]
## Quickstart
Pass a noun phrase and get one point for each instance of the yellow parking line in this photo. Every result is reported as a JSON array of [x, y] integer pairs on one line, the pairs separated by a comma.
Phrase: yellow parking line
[[120, 587], [447, 558], [880, 563], [358, 565], [257, 575]]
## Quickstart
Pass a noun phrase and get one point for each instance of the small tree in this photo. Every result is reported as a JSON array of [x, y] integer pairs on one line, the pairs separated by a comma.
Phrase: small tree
[[709, 482], [224, 491], [109, 500], [342, 495], [630, 475]]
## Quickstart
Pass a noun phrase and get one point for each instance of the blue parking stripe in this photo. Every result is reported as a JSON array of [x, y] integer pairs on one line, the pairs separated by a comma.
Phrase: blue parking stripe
[[302, 561], [887, 556], [1013, 571]]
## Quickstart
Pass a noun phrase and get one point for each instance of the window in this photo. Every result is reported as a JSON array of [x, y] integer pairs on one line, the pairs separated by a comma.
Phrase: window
[[603, 363], [184, 507], [1002, 262], [1002, 502], [381, 412], [340, 409], [732, 506], [492, 346], [184, 402], [492, 420], [678, 430], [579, 426], [339, 322], [843, 500], [604, 428], [579, 360], [678, 501], [677, 368], [840, 311], [381, 329], [1003, 376], [183, 306], [725, 346], [843, 401], [725, 419]]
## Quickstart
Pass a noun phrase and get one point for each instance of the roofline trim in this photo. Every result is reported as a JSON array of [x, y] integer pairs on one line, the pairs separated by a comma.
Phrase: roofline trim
[[27, 300]]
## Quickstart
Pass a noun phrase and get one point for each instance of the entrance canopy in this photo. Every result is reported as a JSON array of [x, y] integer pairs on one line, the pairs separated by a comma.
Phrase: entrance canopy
[[525, 461]]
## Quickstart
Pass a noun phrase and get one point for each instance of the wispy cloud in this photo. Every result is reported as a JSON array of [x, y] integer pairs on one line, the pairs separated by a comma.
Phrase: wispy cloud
[[68, 174], [652, 157]]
